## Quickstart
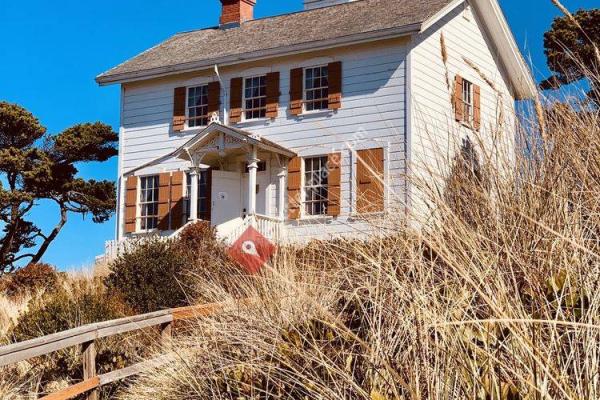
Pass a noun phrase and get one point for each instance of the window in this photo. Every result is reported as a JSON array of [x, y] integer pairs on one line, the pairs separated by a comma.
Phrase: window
[[197, 106], [203, 195], [316, 177], [467, 101], [149, 203], [255, 97], [316, 88]]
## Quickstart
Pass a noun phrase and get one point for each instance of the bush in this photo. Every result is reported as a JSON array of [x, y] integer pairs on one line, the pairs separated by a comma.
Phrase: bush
[[68, 307], [208, 263], [151, 276], [32, 278], [158, 274]]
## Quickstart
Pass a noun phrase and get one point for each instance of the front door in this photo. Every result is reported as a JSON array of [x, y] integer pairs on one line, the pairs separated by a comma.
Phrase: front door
[[226, 196]]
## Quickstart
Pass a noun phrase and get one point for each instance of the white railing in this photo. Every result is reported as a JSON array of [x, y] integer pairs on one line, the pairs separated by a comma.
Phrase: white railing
[[112, 249], [272, 228]]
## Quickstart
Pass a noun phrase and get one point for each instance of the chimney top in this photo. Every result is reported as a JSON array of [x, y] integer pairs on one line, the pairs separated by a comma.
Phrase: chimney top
[[234, 12]]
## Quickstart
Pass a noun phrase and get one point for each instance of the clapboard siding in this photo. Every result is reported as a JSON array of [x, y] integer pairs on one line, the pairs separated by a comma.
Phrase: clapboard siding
[[373, 110], [435, 135]]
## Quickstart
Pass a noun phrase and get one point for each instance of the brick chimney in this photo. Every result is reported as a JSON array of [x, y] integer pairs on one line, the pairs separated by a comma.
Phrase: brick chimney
[[237, 11]]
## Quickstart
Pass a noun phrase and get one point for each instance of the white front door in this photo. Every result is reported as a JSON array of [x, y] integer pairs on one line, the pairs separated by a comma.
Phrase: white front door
[[226, 197], [262, 182]]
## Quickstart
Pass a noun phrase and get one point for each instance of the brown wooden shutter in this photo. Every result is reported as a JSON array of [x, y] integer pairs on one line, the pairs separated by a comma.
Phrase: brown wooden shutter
[[458, 102], [294, 187], [179, 109], [369, 176], [131, 199], [335, 85], [272, 94], [214, 98], [334, 164], [164, 195], [235, 102], [176, 202], [296, 88], [476, 107]]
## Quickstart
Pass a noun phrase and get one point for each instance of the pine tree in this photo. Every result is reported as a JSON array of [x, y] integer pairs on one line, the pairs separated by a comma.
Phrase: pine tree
[[37, 167]]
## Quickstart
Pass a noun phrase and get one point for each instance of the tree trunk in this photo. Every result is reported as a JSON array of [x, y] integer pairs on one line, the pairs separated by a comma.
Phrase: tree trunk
[[44, 247]]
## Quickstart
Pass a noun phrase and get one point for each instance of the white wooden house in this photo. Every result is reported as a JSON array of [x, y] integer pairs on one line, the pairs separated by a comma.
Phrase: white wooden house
[[303, 123]]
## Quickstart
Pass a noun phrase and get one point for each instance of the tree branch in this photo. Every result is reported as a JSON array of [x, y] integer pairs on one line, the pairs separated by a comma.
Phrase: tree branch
[[44, 247]]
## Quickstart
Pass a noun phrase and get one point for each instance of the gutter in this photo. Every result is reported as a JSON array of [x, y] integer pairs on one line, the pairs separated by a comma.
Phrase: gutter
[[108, 79]]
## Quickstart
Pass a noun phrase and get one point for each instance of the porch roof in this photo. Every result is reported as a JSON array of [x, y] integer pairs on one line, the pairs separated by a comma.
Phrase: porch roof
[[204, 137]]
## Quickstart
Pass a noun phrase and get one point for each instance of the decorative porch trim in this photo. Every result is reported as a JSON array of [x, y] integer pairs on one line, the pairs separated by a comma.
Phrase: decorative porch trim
[[184, 151]]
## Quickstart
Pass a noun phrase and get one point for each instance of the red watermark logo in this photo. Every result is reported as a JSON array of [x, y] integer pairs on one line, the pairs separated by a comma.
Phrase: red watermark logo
[[252, 250]]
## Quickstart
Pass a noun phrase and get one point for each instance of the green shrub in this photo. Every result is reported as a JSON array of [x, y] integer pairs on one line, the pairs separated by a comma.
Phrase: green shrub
[[30, 279], [151, 276], [158, 273]]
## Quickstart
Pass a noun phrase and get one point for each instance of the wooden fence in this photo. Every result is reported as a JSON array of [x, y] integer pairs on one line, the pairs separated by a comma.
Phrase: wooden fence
[[87, 335]]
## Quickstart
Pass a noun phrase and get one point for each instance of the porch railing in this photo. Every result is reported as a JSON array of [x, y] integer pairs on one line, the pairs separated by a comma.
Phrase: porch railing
[[270, 227]]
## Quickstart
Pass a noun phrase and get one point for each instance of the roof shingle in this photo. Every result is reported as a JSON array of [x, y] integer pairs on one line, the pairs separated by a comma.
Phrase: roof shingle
[[305, 27]]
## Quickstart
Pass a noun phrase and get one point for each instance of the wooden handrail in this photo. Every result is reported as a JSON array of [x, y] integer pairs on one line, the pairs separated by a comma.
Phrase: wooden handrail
[[87, 335]]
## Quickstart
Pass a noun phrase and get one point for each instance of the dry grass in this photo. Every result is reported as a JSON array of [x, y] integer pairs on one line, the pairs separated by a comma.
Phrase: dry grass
[[10, 309], [496, 297]]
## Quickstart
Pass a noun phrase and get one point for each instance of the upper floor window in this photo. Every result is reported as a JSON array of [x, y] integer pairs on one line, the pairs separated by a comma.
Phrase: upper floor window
[[255, 97], [197, 106], [467, 100], [316, 88], [316, 176], [148, 203]]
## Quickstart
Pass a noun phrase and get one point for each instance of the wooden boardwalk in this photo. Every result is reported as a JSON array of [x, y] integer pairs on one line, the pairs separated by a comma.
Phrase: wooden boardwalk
[[86, 336]]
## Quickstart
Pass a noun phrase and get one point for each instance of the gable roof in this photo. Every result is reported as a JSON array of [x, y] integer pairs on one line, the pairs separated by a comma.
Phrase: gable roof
[[259, 38], [314, 29]]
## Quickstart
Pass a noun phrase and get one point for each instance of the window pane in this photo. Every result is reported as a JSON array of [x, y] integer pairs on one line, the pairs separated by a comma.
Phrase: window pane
[[255, 97]]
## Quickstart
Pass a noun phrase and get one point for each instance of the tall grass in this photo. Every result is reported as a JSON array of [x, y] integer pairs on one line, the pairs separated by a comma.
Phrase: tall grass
[[496, 297]]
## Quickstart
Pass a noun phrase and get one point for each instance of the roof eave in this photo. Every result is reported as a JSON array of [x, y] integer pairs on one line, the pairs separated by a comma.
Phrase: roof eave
[[519, 74], [109, 79]]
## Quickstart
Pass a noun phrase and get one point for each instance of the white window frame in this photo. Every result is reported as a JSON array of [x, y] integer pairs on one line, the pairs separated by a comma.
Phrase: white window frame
[[244, 98], [303, 213], [468, 101], [305, 90], [141, 203], [188, 107]]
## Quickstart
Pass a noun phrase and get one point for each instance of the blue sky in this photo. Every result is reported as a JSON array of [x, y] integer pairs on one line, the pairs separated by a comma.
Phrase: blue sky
[[52, 50]]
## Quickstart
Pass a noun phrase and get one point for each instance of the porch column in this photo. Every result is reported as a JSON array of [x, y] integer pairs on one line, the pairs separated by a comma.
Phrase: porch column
[[252, 168], [281, 201], [194, 172]]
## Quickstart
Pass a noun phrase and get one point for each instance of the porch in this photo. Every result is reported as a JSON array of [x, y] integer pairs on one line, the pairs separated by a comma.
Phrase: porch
[[234, 180]]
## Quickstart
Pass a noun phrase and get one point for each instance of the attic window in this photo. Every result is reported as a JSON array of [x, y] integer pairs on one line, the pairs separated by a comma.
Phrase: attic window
[[197, 106]]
